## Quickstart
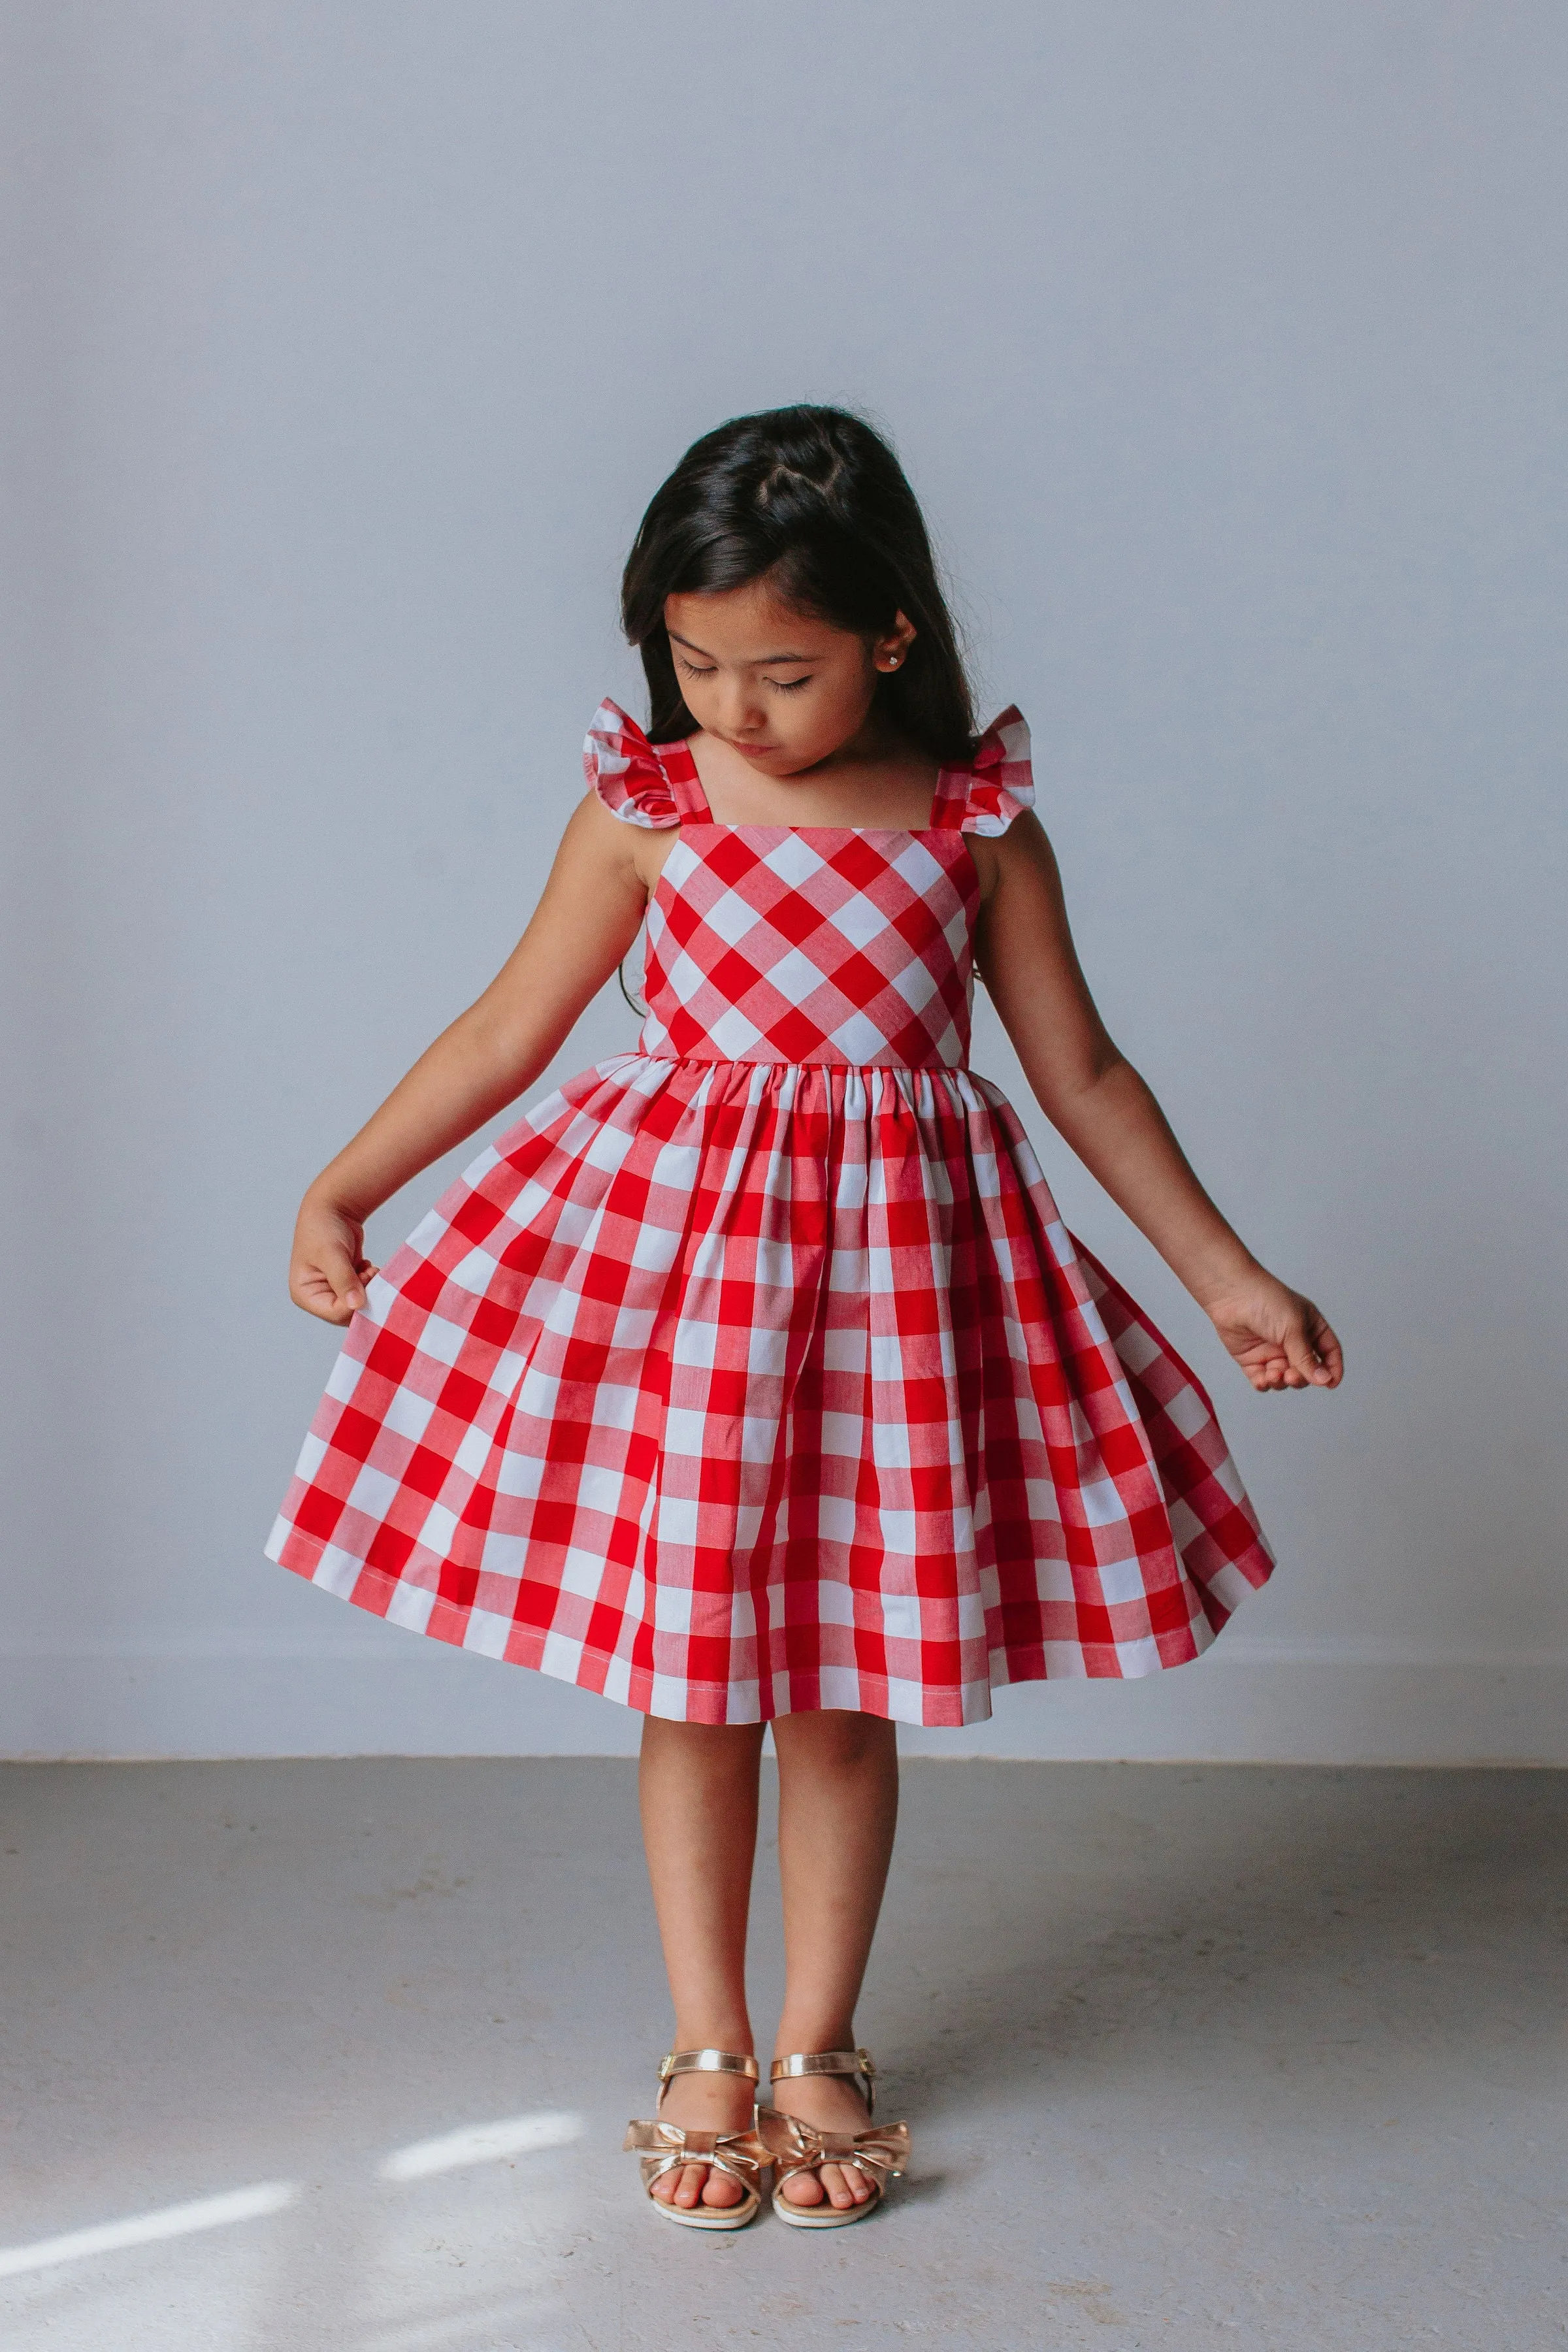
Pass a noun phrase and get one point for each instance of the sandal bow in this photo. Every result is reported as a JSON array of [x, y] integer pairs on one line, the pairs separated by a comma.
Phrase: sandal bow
[[661, 2146], [880, 2153]]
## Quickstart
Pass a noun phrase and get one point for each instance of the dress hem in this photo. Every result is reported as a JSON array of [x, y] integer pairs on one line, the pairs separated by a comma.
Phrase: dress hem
[[303, 1556]]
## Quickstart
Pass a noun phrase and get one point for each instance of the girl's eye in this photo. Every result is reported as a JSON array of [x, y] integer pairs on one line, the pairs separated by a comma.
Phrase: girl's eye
[[692, 669], [788, 685]]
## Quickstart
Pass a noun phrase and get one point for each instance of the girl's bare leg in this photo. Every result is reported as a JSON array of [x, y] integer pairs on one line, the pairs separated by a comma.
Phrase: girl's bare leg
[[839, 1804], [697, 1786]]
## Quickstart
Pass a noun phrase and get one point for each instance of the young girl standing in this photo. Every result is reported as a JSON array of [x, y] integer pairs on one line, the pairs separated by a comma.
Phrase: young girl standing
[[751, 1378]]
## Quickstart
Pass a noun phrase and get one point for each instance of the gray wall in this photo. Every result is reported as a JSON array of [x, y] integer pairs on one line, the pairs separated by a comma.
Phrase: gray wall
[[1226, 345]]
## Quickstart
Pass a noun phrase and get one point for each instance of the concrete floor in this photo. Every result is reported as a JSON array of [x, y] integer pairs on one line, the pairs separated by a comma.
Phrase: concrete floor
[[1219, 2056]]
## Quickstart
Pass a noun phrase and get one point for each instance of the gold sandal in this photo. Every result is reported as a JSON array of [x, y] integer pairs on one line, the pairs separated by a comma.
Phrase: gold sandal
[[796, 2147], [664, 2148]]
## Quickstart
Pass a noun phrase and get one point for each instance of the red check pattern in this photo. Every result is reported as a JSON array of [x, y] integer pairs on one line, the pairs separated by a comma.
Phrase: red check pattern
[[732, 1383], [765, 945]]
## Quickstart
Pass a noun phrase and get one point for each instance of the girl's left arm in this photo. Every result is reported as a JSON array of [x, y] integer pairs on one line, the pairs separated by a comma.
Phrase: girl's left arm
[[1098, 1103]]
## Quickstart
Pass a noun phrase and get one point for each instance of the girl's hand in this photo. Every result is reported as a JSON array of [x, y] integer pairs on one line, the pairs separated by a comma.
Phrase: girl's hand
[[329, 1268], [1280, 1338]]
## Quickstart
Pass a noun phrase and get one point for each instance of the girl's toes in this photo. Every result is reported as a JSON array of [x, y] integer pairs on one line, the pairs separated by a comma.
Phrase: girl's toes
[[803, 2188], [690, 2188], [721, 2189], [840, 2186]]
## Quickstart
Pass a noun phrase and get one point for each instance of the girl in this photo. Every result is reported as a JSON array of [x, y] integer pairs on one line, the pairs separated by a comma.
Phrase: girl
[[751, 1378]]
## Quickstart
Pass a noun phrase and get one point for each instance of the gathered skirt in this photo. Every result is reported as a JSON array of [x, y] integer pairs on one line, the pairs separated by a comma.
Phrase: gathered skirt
[[733, 1389]]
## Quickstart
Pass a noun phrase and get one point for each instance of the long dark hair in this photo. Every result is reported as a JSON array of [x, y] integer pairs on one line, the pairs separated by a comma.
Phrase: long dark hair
[[815, 498]]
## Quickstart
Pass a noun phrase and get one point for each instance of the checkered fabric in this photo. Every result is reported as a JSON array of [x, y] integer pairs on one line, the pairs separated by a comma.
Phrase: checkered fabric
[[735, 1380], [773, 943]]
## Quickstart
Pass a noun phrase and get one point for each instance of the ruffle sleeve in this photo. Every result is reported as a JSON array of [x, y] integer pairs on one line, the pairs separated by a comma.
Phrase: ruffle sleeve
[[1001, 781], [621, 767]]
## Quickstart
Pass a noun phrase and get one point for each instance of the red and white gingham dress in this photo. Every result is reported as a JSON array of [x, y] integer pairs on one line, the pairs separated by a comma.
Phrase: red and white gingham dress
[[755, 1371]]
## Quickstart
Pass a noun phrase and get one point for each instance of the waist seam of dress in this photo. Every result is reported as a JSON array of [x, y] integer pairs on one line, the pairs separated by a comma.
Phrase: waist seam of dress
[[775, 1062]]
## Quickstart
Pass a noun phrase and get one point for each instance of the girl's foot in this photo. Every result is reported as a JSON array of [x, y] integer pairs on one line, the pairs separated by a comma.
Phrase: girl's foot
[[822, 2090], [833, 2105], [700, 2102]]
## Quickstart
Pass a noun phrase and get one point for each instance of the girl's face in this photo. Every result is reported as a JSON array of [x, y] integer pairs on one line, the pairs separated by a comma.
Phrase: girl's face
[[784, 690]]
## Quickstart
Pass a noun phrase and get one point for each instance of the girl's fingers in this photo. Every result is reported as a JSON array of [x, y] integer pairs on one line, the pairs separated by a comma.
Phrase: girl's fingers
[[318, 1298], [1300, 1354], [310, 1289], [1298, 1351], [1330, 1368], [330, 1269], [332, 1286], [1312, 1350], [343, 1275]]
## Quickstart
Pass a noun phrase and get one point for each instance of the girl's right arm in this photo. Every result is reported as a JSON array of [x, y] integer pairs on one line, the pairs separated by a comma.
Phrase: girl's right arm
[[586, 920], [1098, 1103]]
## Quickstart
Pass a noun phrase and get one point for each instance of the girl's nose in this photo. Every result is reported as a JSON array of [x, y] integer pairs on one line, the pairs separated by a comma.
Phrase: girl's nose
[[742, 713]]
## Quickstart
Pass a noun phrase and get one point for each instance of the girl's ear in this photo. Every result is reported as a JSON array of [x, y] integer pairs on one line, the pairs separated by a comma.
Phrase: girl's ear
[[888, 651]]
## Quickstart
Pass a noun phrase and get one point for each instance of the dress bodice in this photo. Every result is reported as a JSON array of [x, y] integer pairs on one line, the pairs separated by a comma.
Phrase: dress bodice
[[809, 943]]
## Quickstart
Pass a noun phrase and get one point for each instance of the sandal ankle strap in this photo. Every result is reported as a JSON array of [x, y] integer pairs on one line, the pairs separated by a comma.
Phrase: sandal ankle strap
[[828, 2061], [709, 2062]]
